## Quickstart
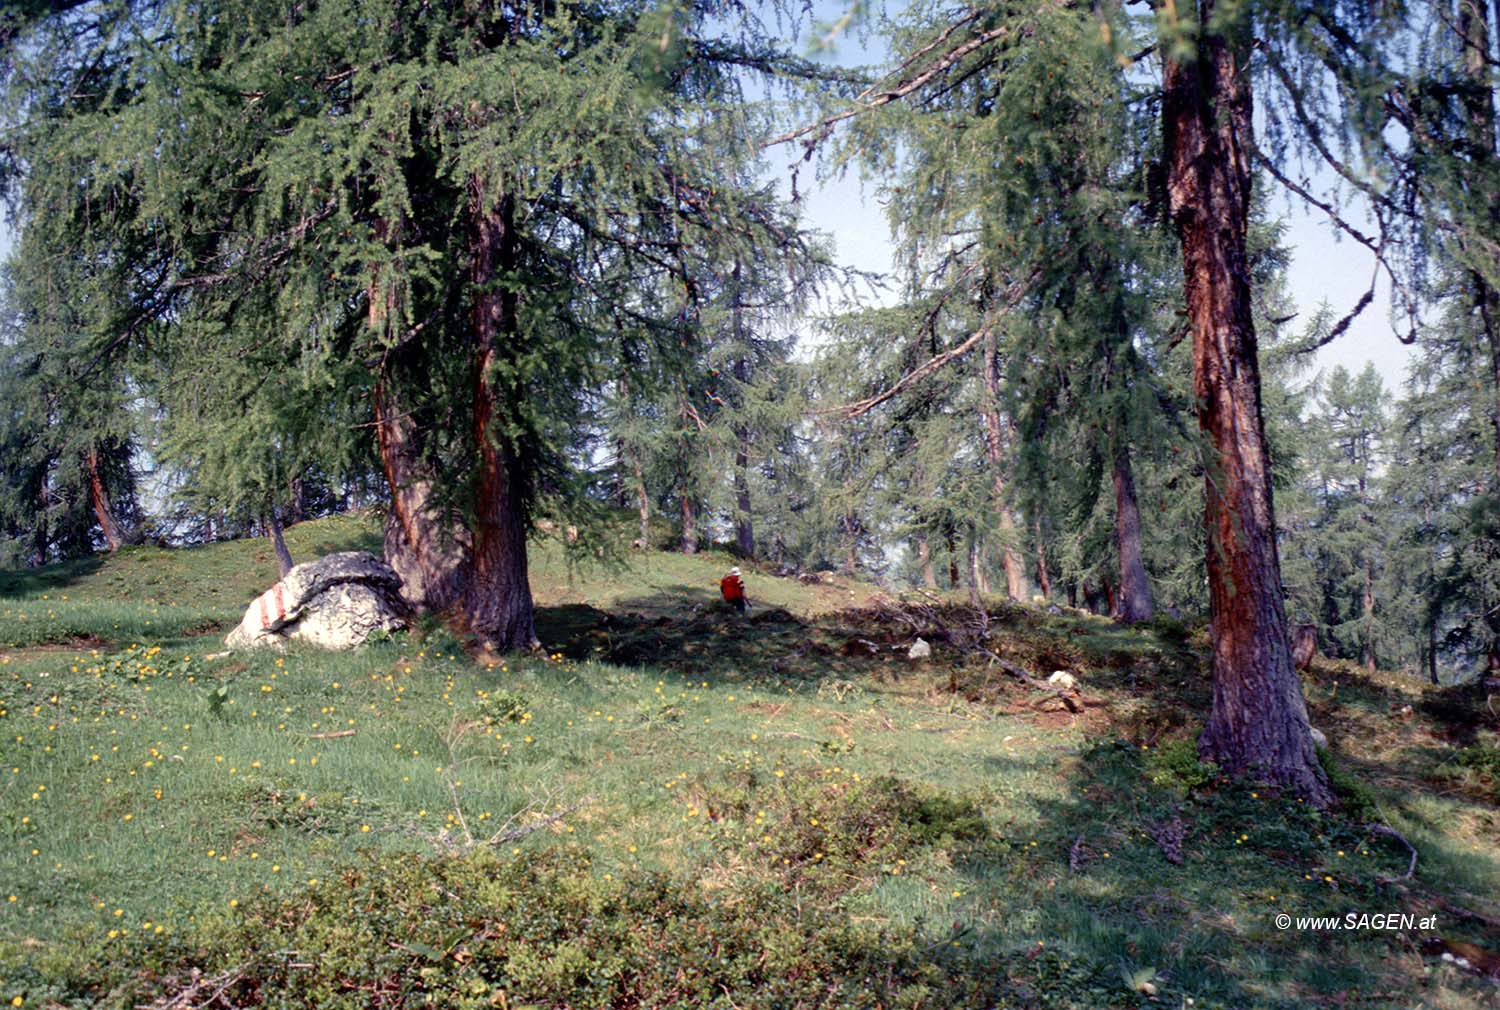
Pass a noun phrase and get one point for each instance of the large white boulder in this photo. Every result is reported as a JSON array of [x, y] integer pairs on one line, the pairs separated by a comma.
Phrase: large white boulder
[[336, 602]]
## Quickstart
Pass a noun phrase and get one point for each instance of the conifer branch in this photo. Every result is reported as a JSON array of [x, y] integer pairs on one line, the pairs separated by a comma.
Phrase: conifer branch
[[1315, 134], [1349, 317], [911, 84], [1376, 247], [1014, 294]]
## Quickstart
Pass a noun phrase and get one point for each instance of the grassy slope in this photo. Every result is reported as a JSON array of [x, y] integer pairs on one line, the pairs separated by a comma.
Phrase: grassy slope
[[661, 733]]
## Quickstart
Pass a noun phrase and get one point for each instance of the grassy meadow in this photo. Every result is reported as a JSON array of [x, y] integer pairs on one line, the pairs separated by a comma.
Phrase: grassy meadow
[[674, 806]]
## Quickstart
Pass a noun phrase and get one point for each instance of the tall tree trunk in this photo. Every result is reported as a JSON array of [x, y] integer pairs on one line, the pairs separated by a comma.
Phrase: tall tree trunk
[[497, 596], [1043, 576], [423, 546], [642, 497], [425, 549], [850, 524], [1432, 671], [114, 536], [994, 442], [40, 541], [689, 522], [744, 529], [1258, 720], [1429, 616], [1135, 587], [278, 541], [296, 509], [643, 501], [950, 537], [1475, 28], [976, 574], [1367, 610], [924, 558]]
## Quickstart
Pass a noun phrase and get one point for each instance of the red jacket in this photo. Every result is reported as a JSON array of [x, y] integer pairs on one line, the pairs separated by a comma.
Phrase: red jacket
[[730, 586]]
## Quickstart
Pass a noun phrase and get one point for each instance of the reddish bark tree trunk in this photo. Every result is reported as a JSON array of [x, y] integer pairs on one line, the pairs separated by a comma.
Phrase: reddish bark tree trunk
[[114, 537], [1304, 645], [1258, 722], [1135, 587], [421, 546], [497, 601], [950, 536], [1043, 576], [994, 441], [924, 558]]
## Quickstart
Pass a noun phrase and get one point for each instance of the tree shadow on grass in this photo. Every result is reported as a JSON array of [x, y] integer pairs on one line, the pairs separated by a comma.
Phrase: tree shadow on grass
[[49, 578], [1088, 871], [690, 631]]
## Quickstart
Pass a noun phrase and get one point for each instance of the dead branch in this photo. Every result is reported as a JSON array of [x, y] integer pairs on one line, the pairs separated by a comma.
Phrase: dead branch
[[515, 834], [1465, 913], [1390, 832], [187, 999], [1013, 295], [906, 87], [1077, 855]]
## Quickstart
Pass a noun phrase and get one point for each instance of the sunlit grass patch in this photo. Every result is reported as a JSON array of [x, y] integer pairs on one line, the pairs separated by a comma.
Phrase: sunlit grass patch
[[754, 771]]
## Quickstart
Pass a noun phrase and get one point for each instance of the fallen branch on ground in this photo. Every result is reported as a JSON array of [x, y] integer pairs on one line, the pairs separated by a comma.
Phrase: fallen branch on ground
[[1390, 832]]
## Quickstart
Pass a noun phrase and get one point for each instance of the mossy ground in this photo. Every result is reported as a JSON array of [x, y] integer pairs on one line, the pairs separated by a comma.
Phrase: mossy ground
[[667, 762]]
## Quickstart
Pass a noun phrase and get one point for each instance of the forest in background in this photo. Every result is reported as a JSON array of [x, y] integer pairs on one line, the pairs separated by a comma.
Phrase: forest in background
[[490, 265]]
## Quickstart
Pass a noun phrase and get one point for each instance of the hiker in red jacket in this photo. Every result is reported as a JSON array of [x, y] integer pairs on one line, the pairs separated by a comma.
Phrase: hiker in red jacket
[[733, 590]]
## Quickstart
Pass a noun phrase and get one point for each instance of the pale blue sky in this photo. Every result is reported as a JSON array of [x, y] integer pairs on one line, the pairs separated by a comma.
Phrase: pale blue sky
[[1323, 269]]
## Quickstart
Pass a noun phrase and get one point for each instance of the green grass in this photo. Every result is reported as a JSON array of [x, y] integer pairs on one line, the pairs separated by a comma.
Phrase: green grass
[[160, 804]]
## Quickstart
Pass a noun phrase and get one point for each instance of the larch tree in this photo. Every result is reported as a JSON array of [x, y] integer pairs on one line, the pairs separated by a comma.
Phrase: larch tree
[[1199, 65], [441, 205]]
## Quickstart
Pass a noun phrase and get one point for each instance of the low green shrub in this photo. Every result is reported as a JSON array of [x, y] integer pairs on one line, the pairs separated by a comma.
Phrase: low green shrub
[[484, 931], [826, 829], [1175, 764], [1356, 799]]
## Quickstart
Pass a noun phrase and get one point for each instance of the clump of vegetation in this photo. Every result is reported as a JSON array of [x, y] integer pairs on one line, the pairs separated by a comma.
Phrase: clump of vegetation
[[827, 828], [1356, 798], [503, 706], [484, 931], [1176, 764], [1477, 766]]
